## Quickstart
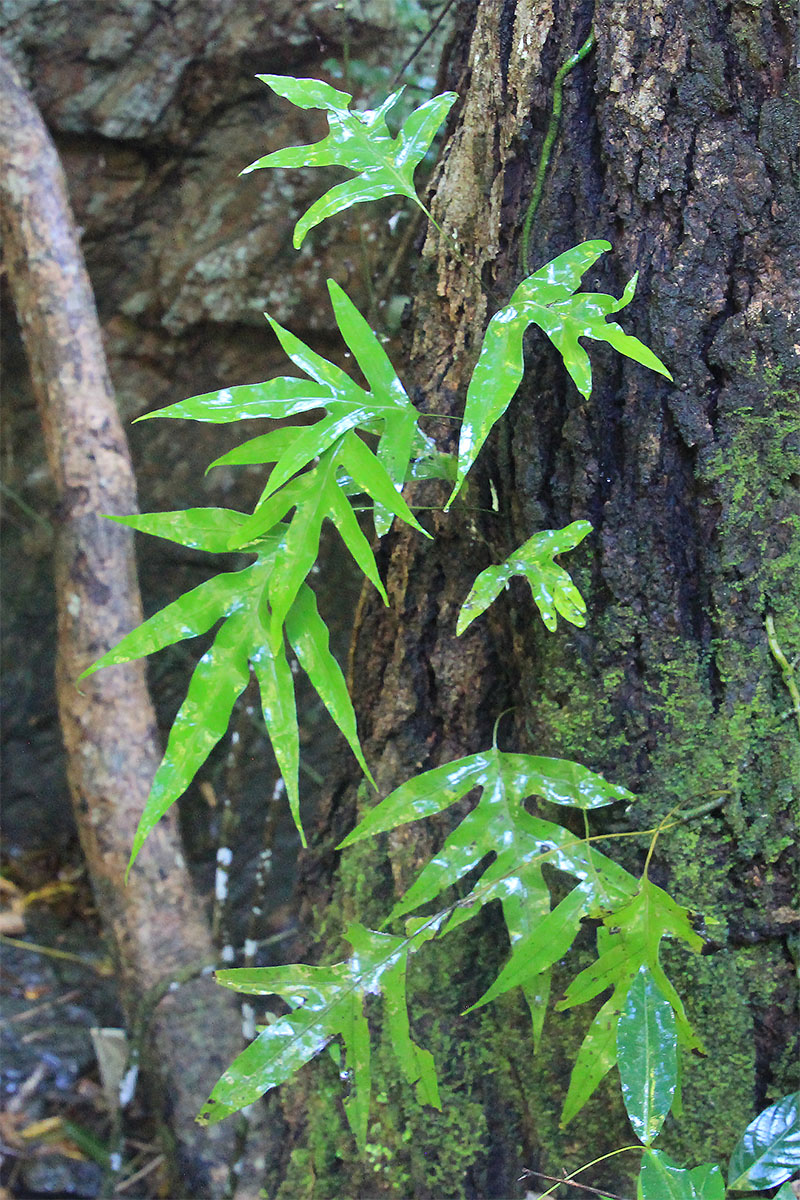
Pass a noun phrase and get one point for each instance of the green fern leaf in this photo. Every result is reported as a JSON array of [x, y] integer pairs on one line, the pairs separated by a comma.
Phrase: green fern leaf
[[545, 299], [328, 1002], [384, 410], [631, 940], [520, 843], [553, 590], [240, 600], [315, 496], [360, 141]]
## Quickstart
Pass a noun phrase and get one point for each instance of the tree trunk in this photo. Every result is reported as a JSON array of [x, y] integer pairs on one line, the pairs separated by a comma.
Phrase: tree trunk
[[679, 143], [156, 922]]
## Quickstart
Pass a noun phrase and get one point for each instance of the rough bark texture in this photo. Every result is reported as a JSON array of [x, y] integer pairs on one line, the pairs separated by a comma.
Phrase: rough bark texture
[[679, 142], [156, 922]]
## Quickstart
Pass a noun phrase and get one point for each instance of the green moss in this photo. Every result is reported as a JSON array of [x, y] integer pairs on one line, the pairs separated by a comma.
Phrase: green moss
[[692, 723]]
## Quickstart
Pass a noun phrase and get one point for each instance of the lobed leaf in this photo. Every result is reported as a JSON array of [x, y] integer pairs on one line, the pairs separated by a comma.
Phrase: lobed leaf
[[383, 165], [630, 940], [519, 844], [551, 586], [385, 410], [328, 1002], [544, 299], [241, 598]]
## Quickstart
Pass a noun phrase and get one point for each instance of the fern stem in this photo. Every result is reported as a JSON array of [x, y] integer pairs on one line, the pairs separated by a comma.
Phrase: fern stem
[[786, 667], [568, 1178], [547, 145]]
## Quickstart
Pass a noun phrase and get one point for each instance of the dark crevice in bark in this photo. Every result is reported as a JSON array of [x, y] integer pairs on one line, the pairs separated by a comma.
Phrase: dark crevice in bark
[[505, 37], [718, 373]]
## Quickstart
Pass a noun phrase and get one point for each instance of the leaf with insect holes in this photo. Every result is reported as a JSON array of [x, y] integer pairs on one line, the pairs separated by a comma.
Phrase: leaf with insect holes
[[552, 589], [328, 1002], [361, 141], [630, 940], [384, 410], [545, 299], [238, 599], [315, 496], [769, 1150], [520, 843], [647, 1055]]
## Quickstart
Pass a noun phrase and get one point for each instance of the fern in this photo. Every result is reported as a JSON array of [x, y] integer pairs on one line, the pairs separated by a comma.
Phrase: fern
[[384, 165], [328, 1002], [326, 470], [545, 299], [223, 672], [551, 587]]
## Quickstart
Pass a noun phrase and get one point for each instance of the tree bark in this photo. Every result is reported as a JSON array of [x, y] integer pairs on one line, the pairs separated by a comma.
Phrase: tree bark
[[156, 922], [679, 143]]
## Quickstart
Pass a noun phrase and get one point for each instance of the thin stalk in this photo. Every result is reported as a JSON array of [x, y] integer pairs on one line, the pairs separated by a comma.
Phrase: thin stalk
[[547, 146], [787, 670]]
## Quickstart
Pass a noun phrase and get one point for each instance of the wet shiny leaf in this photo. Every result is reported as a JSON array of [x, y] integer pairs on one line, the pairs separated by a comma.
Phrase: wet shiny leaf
[[309, 638], [384, 410], [631, 939], [361, 141], [551, 586], [328, 1002], [191, 615], [239, 598], [209, 529], [520, 843], [317, 496], [709, 1183], [545, 299], [662, 1179], [647, 1055], [769, 1150]]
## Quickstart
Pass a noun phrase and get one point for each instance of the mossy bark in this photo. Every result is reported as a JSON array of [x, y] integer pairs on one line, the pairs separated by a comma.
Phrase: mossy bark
[[679, 142]]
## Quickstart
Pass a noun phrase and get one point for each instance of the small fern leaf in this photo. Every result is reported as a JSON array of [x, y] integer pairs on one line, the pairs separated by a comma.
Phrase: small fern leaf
[[361, 141], [545, 299], [551, 586], [328, 1002]]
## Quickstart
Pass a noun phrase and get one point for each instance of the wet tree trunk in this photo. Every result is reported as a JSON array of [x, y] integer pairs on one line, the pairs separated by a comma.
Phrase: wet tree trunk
[[156, 922], [679, 143]]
